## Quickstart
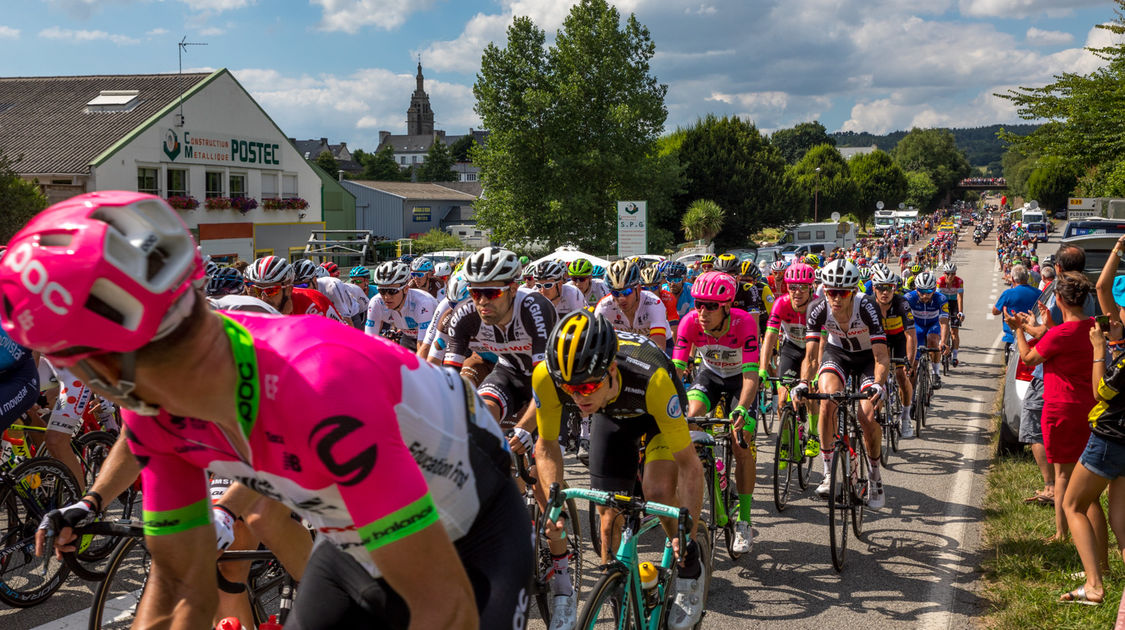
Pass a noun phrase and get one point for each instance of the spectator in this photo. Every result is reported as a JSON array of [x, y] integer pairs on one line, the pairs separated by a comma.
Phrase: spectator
[[1020, 298], [1067, 398], [1048, 273]]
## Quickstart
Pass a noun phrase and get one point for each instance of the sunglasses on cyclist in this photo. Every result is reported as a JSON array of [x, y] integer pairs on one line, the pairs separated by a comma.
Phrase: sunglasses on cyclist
[[580, 278], [884, 287], [626, 292], [390, 291], [925, 291], [417, 274], [583, 389], [652, 287], [359, 280], [838, 293], [267, 291], [706, 306], [545, 285], [488, 293], [707, 267], [676, 280]]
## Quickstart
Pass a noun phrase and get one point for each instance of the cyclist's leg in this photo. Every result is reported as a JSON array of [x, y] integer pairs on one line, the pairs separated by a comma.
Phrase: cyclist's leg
[[287, 538], [830, 379], [338, 592], [613, 468], [933, 336], [65, 420]]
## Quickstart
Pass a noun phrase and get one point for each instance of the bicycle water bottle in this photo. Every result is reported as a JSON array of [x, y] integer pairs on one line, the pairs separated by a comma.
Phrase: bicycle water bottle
[[270, 625], [720, 470], [650, 576], [229, 623]]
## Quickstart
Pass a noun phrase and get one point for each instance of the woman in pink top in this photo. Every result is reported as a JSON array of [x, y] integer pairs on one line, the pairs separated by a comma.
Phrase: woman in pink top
[[1066, 355]]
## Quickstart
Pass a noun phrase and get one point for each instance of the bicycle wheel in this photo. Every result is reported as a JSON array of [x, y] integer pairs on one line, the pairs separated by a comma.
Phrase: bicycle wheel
[[859, 489], [887, 429], [804, 463], [36, 487], [838, 500], [785, 459], [92, 449], [595, 528], [609, 604], [765, 419], [730, 500], [116, 597]]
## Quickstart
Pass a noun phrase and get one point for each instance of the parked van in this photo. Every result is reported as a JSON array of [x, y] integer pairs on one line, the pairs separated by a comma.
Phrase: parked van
[[797, 252], [1037, 223], [841, 234]]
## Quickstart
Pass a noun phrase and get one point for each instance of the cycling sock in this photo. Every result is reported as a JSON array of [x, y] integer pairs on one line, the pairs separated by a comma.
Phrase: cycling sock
[[692, 568], [745, 502], [906, 412], [876, 475], [827, 459], [584, 431], [560, 581]]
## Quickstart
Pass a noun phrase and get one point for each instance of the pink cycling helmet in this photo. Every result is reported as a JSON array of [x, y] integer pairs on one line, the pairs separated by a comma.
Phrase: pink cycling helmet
[[714, 286], [800, 273], [100, 272]]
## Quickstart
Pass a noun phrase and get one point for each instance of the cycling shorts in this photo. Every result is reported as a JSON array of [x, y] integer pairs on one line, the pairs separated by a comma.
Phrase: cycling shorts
[[509, 389], [336, 591], [896, 346], [923, 330], [614, 443], [709, 387], [19, 390], [859, 365], [954, 321], [789, 361]]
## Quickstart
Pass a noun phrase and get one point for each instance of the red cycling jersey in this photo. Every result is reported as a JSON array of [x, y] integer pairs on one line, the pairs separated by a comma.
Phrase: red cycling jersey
[[313, 302]]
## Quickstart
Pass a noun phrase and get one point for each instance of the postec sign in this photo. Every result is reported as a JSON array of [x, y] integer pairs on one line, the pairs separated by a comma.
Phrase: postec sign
[[191, 147]]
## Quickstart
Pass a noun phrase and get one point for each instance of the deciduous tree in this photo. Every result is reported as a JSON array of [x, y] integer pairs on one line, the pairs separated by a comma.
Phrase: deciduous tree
[[19, 199], [878, 179], [796, 141], [934, 152], [438, 166]]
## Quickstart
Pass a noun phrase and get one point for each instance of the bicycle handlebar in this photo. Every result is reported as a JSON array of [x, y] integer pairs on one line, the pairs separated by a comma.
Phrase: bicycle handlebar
[[522, 469], [558, 497], [704, 422], [840, 395]]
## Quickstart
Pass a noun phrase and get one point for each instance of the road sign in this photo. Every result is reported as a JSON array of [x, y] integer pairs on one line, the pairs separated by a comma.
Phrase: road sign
[[1082, 203], [632, 233]]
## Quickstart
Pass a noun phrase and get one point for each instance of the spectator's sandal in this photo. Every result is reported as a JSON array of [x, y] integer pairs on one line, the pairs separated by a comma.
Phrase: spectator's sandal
[[1078, 596]]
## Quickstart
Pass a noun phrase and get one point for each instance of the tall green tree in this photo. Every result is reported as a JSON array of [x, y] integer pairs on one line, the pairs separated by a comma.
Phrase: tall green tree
[[1051, 183], [920, 189], [381, 166], [20, 199], [572, 127], [328, 162], [460, 149], [831, 189], [795, 141], [728, 161], [878, 179], [1017, 168], [438, 166], [934, 152]]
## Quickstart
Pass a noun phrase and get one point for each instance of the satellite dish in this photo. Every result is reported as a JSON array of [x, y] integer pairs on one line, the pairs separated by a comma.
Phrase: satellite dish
[[901, 205], [878, 205], [835, 217], [1034, 205]]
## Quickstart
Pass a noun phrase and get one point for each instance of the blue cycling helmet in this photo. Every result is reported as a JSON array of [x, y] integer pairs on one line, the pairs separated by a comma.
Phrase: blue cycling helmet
[[406, 258], [360, 272], [599, 271], [226, 281], [675, 269], [422, 264]]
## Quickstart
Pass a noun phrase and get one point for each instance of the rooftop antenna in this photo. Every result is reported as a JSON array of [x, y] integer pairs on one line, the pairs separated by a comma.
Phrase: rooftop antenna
[[181, 48]]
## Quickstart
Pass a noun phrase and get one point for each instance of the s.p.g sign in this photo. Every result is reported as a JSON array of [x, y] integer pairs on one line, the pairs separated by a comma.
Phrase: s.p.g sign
[[193, 147]]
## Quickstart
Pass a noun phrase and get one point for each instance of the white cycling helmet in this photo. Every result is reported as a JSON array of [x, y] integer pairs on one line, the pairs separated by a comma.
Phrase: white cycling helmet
[[456, 290], [549, 270], [442, 269], [949, 268], [925, 281], [840, 274], [391, 272], [269, 271], [492, 264], [883, 275]]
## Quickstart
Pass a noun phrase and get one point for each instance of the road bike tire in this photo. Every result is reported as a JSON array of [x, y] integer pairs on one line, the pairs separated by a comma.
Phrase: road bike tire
[[804, 467], [859, 491], [116, 597], [93, 449], [765, 420], [595, 528], [731, 501], [544, 563], [785, 460], [45, 484], [608, 602], [838, 508]]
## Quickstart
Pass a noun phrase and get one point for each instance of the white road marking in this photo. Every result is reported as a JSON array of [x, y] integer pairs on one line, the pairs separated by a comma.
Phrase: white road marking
[[942, 591], [123, 605]]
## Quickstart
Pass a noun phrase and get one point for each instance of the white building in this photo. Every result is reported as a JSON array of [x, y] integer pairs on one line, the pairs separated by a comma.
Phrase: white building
[[191, 136]]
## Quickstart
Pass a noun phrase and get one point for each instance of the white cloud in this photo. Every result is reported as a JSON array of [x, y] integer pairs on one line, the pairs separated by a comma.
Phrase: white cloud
[[352, 15], [1039, 37], [7, 32], [217, 6], [157, 32], [211, 31], [1024, 8], [702, 9], [71, 35]]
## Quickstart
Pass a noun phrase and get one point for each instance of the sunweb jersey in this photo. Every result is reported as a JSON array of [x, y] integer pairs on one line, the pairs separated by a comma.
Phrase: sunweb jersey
[[862, 329]]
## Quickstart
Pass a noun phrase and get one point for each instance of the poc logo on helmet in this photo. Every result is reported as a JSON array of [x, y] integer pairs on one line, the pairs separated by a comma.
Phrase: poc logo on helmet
[[34, 278]]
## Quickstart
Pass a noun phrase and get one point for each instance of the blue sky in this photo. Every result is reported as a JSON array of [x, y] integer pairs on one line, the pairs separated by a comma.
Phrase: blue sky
[[344, 68]]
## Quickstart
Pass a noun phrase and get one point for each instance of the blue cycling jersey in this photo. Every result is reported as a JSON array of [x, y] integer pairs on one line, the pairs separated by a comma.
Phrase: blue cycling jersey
[[684, 301], [11, 353], [927, 314]]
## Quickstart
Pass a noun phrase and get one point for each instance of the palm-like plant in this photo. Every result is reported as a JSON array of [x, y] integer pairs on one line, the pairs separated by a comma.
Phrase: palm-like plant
[[703, 220]]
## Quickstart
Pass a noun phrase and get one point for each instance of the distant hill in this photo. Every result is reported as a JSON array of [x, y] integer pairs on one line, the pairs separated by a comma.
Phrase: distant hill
[[980, 144]]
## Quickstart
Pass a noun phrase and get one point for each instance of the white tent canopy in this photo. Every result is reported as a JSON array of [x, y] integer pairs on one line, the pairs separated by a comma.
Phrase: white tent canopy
[[569, 254]]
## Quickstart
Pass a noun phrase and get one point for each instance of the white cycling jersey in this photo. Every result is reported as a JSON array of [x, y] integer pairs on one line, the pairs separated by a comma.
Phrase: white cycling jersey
[[443, 307], [650, 319], [598, 290], [346, 301], [412, 317], [570, 299], [242, 303]]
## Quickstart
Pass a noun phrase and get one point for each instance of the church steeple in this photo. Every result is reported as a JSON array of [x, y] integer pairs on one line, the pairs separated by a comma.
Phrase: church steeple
[[419, 116]]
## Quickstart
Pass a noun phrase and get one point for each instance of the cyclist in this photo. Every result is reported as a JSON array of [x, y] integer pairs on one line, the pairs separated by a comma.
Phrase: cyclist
[[361, 277], [908, 280], [499, 318], [727, 341], [581, 274], [284, 416], [407, 311], [706, 263], [270, 279], [754, 295], [332, 268], [787, 321], [776, 279], [422, 277], [549, 283], [628, 385], [629, 308], [652, 281], [931, 319], [953, 288], [456, 292], [855, 347], [898, 322], [307, 276], [676, 273]]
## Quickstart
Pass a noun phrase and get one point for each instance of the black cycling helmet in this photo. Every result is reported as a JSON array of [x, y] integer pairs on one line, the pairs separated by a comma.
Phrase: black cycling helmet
[[226, 281], [580, 348]]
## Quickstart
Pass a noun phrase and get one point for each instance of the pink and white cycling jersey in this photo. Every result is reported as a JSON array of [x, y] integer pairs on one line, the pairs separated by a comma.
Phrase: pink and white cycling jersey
[[359, 436], [787, 321], [732, 354]]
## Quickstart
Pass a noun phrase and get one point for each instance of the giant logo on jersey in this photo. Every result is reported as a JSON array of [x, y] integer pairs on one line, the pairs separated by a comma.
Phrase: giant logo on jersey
[[329, 433]]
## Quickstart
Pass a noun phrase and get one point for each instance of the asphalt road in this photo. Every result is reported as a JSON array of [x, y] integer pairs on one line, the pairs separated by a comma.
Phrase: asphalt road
[[916, 564]]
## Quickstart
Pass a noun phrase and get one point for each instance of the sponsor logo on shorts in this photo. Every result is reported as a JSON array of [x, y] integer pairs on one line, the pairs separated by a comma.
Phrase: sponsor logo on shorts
[[674, 410]]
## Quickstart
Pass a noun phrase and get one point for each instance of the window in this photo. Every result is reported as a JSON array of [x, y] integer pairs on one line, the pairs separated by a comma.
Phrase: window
[[469, 177], [269, 185], [402, 159], [288, 186], [147, 181], [214, 184], [415, 158], [177, 182], [238, 186]]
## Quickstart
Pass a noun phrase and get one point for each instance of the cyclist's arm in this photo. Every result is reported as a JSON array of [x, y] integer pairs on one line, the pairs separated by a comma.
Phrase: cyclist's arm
[[658, 325], [768, 345], [548, 417], [681, 352], [882, 362], [374, 316], [750, 361]]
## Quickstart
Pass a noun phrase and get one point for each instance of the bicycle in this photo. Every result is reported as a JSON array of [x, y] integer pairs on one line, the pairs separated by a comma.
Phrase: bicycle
[[543, 569], [890, 413], [850, 468], [721, 499], [922, 391], [789, 451], [619, 600], [28, 491], [765, 408], [121, 584]]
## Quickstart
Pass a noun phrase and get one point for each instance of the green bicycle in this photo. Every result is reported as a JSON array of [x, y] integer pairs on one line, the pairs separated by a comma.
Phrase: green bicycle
[[790, 451], [619, 600]]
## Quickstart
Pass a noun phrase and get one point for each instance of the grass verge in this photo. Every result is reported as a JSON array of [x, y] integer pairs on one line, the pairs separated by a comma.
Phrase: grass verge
[[1024, 576]]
